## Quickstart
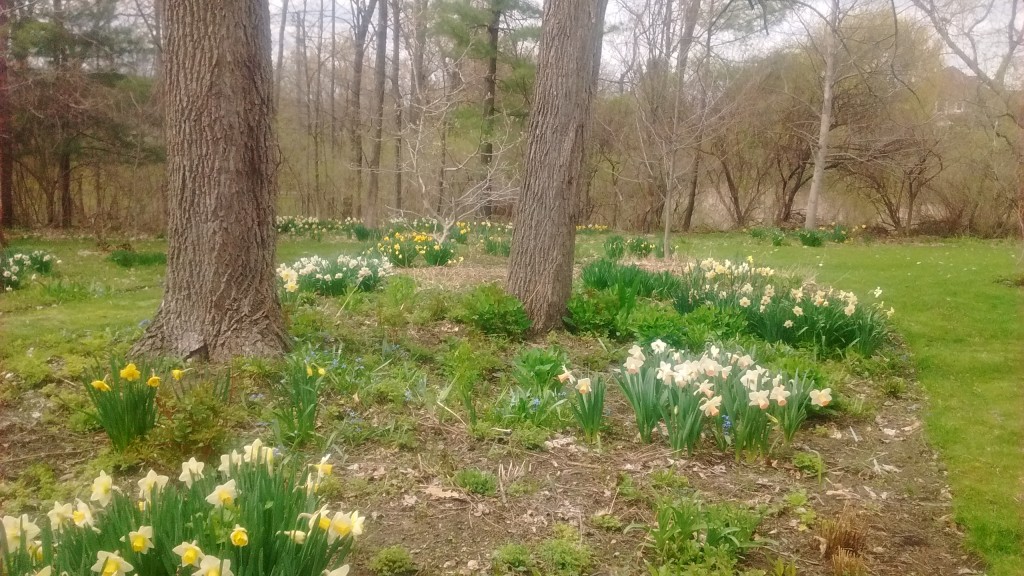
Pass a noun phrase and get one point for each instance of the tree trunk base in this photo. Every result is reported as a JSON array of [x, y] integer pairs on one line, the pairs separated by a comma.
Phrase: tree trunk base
[[173, 335]]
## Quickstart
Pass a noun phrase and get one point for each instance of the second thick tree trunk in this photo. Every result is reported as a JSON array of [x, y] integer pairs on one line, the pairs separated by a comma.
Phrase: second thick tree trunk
[[220, 298], [540, 266]]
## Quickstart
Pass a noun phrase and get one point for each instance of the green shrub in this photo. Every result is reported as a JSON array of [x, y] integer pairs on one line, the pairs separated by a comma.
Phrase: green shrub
[[512, 559], [537, 369], [132, 259], [688, 531], [812, 238], [652, 321], [477, 481], [615, 247], [392, 561], [493, 311], [709, 324]]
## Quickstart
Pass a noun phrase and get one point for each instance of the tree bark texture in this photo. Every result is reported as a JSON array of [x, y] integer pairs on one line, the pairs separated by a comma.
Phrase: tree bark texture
[[6, 128], [540, 265], [371, 204], [490, 91], [220, 298]]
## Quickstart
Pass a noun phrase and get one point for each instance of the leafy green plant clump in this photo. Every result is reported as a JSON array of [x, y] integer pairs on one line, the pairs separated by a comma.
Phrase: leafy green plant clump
[[493, 311], [392, 561], [477, 481], [133, 259], [690, 533]]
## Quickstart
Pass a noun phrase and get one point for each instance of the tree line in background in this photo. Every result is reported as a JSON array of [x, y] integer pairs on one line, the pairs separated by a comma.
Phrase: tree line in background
[[707, 114]]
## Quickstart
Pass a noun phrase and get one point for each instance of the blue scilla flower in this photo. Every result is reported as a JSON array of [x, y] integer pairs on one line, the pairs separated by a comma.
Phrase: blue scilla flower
[[408, 395], [534, 404], [726, 423]]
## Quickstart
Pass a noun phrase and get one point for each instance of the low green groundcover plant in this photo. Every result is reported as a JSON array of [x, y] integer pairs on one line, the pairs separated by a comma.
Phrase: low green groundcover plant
[[494, 311], [257, 514], [334, 277], [132, 259]]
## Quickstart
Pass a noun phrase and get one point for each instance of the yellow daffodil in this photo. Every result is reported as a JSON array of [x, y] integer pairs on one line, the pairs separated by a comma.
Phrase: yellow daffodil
[[177, 374], [821, 397], [141, 539], [130, 373], [100, 385], [583, 386], [189, 552], [239, 536], [213, 566], [323, 469], [102, 488], [342, 571], [191, 471], [149, 483], [321, 518], [340, 527], [309, 370], [82, 516], [223, 495], [18, 530], [297, 536], [153, 382], [60, 515], [111, 564]]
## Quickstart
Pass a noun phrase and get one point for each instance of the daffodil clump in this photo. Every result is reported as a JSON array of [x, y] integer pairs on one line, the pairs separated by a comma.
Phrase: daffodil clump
[[312, 227], [719, 395], [334, 277], [403, 249], [15, 269], [591, 229], [124, 399], [488, 228], [640, 247], [256, 514], [780, 309]]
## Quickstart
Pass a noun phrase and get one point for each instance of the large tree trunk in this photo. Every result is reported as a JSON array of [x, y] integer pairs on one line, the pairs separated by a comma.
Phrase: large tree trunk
[[220, 298], [419, 71], [825, 124], [490, 89], [6, 129], [355, 123], [372, 201], [540, 266]]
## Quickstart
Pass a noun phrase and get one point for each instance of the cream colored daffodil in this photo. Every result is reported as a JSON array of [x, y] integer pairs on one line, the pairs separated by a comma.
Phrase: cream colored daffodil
[[82, 516], [821, 397], [189, 552], [711, 406], [296, 536], [102, 489], [342, 571], [223, 495], [60, 515], [141, 540], [149, 483], [191, 471], [111, 564], [213, 566], [583, 386], [19, 530], [227, 461]]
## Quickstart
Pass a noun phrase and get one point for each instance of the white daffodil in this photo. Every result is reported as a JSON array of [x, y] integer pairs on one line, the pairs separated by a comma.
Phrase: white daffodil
[[711, 406], [102, 489], [191, 471], [342, 571], [706, 388], [18, 530], [323, 469], [665, 373], [296, 536], [750, 379], [229, 461], [821, 397], [213, 566], [149, 483], [759, 398], [658, 347], [633, 365], [780, 394], [223, 495], [583, 386], [60, 515], [637, 352]]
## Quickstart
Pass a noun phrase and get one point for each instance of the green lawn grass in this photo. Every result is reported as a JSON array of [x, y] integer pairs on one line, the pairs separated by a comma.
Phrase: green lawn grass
[[963, 327]]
